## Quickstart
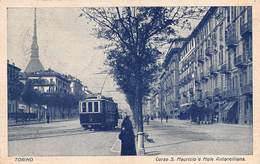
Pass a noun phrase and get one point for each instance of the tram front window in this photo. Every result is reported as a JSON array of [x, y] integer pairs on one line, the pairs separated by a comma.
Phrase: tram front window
[[83, 107], [90, 107], [95, 106]]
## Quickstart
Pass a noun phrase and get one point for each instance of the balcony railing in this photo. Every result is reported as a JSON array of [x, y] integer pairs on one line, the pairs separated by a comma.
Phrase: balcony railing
[[213, 70], [210, 51], [225, 69], [197, 79], [198, 88], [247, 89], [200, 58], [241, 61], [191, 91], [216, 92], [205, 77], [184, 94], [248, 53], [246, 28], [208, 94], [231, 38], [231, 93], [189, 76]]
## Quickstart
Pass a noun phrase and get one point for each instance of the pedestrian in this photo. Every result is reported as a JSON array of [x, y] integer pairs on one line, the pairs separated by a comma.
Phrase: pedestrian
[[166, 118], [147, 119], [127, 137], [48, 118]]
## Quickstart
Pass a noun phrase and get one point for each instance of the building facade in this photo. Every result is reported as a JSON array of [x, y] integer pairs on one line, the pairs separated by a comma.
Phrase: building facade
[[76, 87], [14, 90], [170, 79], [215, 69], [50, 82]]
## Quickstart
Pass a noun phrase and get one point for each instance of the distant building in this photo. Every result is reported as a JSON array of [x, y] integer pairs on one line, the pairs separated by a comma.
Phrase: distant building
[[76, 87], [50, 82], [13, 89], [34, 64], [170, 78]]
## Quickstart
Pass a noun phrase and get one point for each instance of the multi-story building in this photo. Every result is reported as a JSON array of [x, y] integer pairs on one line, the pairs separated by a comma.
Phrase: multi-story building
[[14, 89], [50, 82], [215, 68], [155, 104], [76, 87], [239, 51], [210, 82], [170, 79], [187, 67]]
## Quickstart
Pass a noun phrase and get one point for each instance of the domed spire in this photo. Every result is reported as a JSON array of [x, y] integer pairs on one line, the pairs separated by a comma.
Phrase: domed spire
[[35, 47], [34, 63]]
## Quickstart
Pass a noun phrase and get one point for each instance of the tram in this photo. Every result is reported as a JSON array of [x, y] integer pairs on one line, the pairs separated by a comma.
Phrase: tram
[[96, 112]]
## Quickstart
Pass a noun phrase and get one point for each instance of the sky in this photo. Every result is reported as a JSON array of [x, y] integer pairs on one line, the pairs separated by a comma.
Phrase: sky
[[66, 45]]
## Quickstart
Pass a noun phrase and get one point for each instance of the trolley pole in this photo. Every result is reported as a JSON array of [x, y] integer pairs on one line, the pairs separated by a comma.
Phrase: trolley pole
[[103, 84]]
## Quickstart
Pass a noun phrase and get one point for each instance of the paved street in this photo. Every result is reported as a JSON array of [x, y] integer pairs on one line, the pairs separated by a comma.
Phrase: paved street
[[181, 137], [59, 138], [176, 137]]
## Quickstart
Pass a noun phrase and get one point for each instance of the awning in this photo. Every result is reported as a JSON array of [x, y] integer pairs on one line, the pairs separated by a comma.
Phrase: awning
[[212, 106], [185, 109], [229, 106]]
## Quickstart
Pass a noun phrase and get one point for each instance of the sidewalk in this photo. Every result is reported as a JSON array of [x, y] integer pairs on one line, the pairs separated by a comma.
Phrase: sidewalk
[[186, 138], [13, 123], [188, 122]]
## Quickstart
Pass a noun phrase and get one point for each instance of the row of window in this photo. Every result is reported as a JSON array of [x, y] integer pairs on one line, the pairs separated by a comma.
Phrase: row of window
[[90, 107]]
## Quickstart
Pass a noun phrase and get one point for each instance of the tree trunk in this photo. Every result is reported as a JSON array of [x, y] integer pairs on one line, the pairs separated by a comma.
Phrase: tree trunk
[[29, 112], [135, 115], [138, 108], [16, 112]]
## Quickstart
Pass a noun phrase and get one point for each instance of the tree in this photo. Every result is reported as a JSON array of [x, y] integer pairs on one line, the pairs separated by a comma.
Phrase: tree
[[134, 35], [14, 93], [29, 95], [70, 103]]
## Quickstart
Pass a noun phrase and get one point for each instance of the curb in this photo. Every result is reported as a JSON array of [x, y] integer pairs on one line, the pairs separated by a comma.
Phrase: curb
[[42, 122]]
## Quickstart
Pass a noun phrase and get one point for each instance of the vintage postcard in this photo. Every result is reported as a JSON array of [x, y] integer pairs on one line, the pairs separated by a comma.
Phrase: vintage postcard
[[152, 82]]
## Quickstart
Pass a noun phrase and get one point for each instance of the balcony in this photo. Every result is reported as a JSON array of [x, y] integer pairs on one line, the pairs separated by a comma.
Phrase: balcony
[[231, 38], [224, 69], [248, 53], [189, 77], [184, 94], [197, 79], [198, 88], [247, 89], [241, 61], [191, 91], [246, 28], [210, 51], [208, 94], [213, 70], [184, 80], [216, 92], [229, 94], [205, 77], [200, 59]]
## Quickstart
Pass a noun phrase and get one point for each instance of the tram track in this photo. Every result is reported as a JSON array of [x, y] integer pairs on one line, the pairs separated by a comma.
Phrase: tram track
[[39, 134]]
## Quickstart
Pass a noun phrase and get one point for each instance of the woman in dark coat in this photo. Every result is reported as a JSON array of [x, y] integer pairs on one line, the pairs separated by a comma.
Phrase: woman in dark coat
[[127, 137]]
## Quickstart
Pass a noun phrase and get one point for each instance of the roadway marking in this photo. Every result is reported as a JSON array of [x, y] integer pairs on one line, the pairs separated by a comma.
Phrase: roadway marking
[[112, 148]]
